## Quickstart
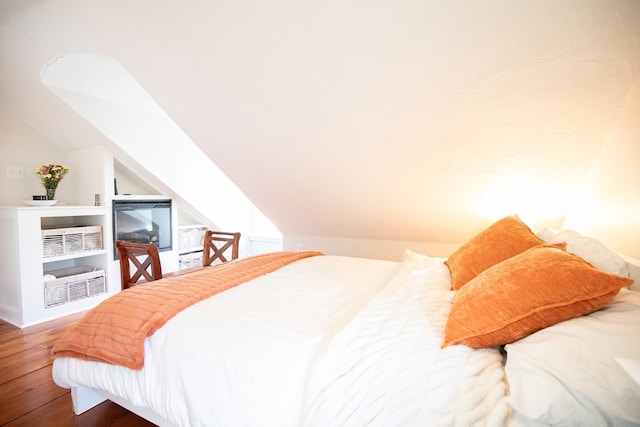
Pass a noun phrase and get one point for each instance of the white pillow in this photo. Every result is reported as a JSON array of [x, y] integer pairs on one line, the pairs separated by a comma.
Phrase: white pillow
[[589, 249], [567, 375], [418, 260]]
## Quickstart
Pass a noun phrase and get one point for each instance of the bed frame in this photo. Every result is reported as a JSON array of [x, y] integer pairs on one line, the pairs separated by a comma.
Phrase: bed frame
[[86, 398]]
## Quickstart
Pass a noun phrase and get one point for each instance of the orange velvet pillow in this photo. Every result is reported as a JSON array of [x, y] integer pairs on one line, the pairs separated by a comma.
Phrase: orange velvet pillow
[[528, 292], [502, 240]]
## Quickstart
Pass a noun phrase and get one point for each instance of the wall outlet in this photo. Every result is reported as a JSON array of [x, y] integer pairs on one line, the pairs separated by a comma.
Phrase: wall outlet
[[15, 172], [299, 247]]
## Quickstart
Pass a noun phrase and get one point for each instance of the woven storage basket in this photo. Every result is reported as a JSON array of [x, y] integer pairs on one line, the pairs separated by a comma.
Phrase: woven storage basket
[[73, 284], [64, 241]]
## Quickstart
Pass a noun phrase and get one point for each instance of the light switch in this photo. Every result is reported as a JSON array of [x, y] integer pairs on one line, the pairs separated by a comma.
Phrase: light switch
[[15, 172]]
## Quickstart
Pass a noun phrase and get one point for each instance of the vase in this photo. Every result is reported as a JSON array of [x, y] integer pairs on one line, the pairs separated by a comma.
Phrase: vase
[[51, 193]]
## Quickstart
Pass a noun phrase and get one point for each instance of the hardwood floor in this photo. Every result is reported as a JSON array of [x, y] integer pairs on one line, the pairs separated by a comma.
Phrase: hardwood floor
[[28, 395]]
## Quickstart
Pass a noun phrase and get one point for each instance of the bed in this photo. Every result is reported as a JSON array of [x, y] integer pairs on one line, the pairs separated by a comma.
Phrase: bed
[[324, 340]]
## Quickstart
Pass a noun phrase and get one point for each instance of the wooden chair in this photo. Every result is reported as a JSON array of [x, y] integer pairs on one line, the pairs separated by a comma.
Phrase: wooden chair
[[143, 257], [220, 245]]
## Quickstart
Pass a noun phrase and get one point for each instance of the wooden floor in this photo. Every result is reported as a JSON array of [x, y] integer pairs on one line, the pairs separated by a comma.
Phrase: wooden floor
[[28, 395]]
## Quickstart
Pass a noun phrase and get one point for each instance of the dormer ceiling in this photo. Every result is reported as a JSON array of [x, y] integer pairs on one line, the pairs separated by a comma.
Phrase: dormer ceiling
[[400, 120]]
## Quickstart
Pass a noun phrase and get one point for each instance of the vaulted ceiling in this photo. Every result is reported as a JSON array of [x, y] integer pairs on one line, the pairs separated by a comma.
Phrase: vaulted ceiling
[[407, 120]]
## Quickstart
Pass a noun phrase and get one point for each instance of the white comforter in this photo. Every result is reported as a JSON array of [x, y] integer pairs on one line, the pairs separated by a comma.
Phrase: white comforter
[[325, 341]]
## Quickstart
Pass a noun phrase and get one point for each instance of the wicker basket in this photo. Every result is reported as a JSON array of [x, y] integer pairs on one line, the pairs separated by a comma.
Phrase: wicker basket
[[191, 237], [73, 284], [190, 260], [64, 241]]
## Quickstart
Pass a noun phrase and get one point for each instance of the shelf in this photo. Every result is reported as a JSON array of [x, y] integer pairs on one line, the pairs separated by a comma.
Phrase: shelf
[[73, 256], [190, 250]]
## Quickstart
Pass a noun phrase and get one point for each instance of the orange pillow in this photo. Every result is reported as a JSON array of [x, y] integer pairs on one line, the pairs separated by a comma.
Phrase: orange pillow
[[502, 240], [528, 292]]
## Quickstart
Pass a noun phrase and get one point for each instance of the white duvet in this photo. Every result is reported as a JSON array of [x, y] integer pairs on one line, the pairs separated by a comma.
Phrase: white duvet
[[325, 341]]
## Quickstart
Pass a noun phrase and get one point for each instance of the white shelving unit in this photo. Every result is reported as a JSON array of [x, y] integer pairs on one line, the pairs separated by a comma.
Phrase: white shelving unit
[[25, 297]]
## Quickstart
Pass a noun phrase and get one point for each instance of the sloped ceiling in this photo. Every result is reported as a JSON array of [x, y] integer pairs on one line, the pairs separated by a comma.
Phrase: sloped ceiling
[[406, 120]]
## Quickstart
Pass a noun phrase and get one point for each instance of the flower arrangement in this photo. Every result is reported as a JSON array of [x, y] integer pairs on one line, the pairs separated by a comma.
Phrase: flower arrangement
[[51, 175]]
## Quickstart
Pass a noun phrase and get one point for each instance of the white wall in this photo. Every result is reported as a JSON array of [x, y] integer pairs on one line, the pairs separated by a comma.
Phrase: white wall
[[95, 166], [368, 248], [21, 145], [608, 207]]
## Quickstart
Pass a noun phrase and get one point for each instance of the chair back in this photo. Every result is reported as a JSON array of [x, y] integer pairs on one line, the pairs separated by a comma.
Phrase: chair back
[[141, 259], [220, 246]]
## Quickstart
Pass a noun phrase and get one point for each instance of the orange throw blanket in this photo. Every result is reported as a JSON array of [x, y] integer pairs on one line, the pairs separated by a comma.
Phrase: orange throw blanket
[[114, 331]]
